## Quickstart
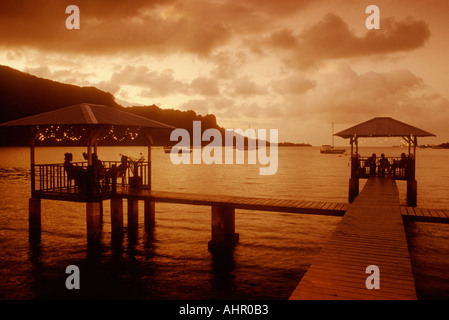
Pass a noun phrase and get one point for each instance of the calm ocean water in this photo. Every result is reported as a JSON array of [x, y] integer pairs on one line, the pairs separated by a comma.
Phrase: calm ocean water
[[173, 262]]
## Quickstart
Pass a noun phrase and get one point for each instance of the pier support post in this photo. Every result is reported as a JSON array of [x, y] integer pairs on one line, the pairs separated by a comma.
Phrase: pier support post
[[353, 189], [412, 193], [117, 217], [93, 221], [149, 211], [133, 215], [223, 228], [34, 219]]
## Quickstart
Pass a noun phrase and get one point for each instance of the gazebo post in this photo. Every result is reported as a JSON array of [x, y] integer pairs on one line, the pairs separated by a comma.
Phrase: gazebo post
[[412, 184], [94, 210], [354, 179], [34, 203], [149, 206]]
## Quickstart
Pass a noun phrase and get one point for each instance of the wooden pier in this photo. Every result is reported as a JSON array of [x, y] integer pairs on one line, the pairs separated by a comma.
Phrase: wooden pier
[[371, 233], [223, 233], [52, 182], [425, 214], [238, 202]]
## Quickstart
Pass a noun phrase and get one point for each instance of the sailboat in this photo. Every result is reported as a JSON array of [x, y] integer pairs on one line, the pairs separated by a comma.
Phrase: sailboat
[[329, 149]]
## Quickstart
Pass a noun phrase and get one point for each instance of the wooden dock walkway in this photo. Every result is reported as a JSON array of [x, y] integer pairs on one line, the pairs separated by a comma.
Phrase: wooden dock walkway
[[238, 202], [370, 233], [223, 235], [425, 214]]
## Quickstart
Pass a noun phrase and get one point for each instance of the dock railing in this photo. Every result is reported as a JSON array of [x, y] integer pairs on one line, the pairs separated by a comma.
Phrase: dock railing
[[400, 170], [88, 183]]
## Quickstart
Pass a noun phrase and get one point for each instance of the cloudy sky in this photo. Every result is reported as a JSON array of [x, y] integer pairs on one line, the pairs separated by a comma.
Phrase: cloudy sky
[[293, 65]]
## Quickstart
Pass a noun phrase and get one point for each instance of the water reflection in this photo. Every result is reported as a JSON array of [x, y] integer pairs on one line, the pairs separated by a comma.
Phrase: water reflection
[[133, 270], [172, 261], [222, 267]]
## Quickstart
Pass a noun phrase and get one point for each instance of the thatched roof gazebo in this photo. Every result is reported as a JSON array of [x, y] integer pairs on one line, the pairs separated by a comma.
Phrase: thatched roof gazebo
[[384, 127], [85, 123]]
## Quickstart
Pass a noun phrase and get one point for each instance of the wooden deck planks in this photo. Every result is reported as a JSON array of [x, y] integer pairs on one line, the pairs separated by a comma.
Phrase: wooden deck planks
[[425, 214], [247, 203], [370, 233]]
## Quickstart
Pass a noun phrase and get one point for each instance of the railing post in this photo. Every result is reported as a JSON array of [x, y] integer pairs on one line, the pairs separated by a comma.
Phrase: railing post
[[114, 179]]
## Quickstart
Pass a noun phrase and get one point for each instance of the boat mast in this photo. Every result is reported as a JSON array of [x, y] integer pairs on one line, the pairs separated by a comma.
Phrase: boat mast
[[332, 135]]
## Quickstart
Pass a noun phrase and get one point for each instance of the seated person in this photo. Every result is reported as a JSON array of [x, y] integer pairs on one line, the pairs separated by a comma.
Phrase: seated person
[[120, 170], [74, 172], [401, 164], [98, 171], [371, 164], [384, 165]]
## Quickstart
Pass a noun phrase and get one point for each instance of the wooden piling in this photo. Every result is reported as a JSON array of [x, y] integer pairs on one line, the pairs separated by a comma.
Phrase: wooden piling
[[93, 221], [133, 214], [412, 193], [353, 189], [34, 219], [223, 228], [149, 214], [117, 217]]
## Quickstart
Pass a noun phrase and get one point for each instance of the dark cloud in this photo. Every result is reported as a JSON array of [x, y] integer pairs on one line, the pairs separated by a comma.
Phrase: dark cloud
[[155, 26], [331, 38]]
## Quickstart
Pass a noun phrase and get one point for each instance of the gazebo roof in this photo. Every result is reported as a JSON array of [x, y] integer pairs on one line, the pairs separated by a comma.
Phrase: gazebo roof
[[87, 114], [383, 127]]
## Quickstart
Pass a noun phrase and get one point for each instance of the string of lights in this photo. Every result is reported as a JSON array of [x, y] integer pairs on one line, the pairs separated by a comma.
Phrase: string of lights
[[112, 134], [57, 133], [60, 133]]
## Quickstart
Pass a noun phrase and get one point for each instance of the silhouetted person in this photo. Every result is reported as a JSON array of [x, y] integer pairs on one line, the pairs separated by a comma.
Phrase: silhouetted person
[[98, 172], [74, 172], [401, 164], [120, 170], [371, 164], [384, 165]]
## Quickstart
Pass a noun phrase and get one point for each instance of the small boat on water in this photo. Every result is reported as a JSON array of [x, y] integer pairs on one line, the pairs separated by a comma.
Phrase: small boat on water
[[168, 149], [330, 149]]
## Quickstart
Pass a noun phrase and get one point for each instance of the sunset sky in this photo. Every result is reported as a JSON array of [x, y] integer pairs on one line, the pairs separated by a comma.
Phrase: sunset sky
[[293, 65]]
